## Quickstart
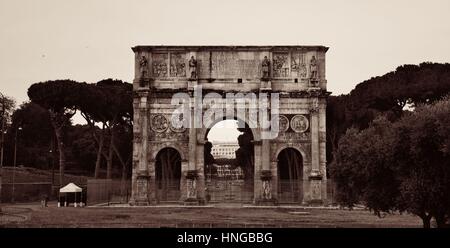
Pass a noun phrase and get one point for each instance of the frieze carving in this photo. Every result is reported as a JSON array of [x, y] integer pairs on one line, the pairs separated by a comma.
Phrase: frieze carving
[[280, 65], [309, 93], [169, 134], [160, 64], [177, 65], [283, 123], [298, 65], [299, 123], [159, 123], [293, 136]]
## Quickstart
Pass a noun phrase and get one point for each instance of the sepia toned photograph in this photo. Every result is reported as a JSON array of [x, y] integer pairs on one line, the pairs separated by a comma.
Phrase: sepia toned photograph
[[224, 115]]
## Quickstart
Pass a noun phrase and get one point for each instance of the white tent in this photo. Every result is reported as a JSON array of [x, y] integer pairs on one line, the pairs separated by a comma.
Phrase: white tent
[[71, 188]]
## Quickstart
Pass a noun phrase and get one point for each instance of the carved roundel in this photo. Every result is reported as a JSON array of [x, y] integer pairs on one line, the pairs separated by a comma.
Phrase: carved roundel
[[176, 124], [284, 123], [299, 123], [159, 123]]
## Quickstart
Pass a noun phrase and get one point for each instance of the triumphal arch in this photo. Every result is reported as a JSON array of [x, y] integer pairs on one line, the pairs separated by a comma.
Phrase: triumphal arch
[[277, 94]]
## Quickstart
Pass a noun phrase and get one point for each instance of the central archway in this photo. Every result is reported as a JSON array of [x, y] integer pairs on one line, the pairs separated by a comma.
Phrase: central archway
[[168, 174], [229, 162]]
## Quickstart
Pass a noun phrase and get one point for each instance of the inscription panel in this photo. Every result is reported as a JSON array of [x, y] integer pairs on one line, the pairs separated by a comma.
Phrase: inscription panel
[[236, 65]]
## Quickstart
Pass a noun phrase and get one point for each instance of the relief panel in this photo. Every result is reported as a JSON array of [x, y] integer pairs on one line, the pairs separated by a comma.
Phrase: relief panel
[[298, 65], [280, 65], [177, 65], [160, 64]]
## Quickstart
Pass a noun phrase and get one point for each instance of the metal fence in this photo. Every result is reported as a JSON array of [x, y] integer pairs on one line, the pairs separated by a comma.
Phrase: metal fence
[[229, 190], [290, 191], [26, 192], [168, 191], [331, 192], [107, 191]]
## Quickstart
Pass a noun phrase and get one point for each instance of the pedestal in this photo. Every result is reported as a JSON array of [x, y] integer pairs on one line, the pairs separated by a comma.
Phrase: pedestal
[[191, 188], [316, 188], [266, 191], [266, 84], [142, 194]]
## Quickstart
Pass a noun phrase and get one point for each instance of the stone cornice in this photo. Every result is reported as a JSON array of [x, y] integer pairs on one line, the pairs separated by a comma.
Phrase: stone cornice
[[283, 94], [229, 48]]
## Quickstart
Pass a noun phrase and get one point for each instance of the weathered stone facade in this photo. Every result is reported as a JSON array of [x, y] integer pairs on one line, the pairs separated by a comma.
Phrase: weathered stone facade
[[296, 72]]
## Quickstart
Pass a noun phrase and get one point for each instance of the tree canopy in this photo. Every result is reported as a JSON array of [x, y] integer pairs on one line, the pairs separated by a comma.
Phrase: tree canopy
[[407, 86], [404, 165], [108, 102]]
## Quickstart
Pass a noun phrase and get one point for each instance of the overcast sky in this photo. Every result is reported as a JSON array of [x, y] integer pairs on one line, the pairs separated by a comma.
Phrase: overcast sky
[[91, 40]]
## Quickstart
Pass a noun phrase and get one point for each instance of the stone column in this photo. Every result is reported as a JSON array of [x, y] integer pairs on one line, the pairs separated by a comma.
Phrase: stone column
[[143, 179], [257, 184], [192, 143], [274, 170], [200, 169], [265, 154], [323, 145], [265, 192], [315, 176], [315, 142], [191, 174], [183, 183]]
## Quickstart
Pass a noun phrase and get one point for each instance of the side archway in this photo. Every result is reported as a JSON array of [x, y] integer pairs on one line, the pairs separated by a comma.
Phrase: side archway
[[290, 175], [168, 174]]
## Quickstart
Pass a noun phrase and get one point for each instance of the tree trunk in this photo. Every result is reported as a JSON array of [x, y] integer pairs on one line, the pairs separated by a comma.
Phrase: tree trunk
[[109, 161], [123, 180], [98, 161], [426, 219], [58, 121], [100, 142], [62, 156]]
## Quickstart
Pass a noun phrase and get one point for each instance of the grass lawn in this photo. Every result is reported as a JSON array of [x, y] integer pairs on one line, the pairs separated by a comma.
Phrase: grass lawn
[[32, 215]]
